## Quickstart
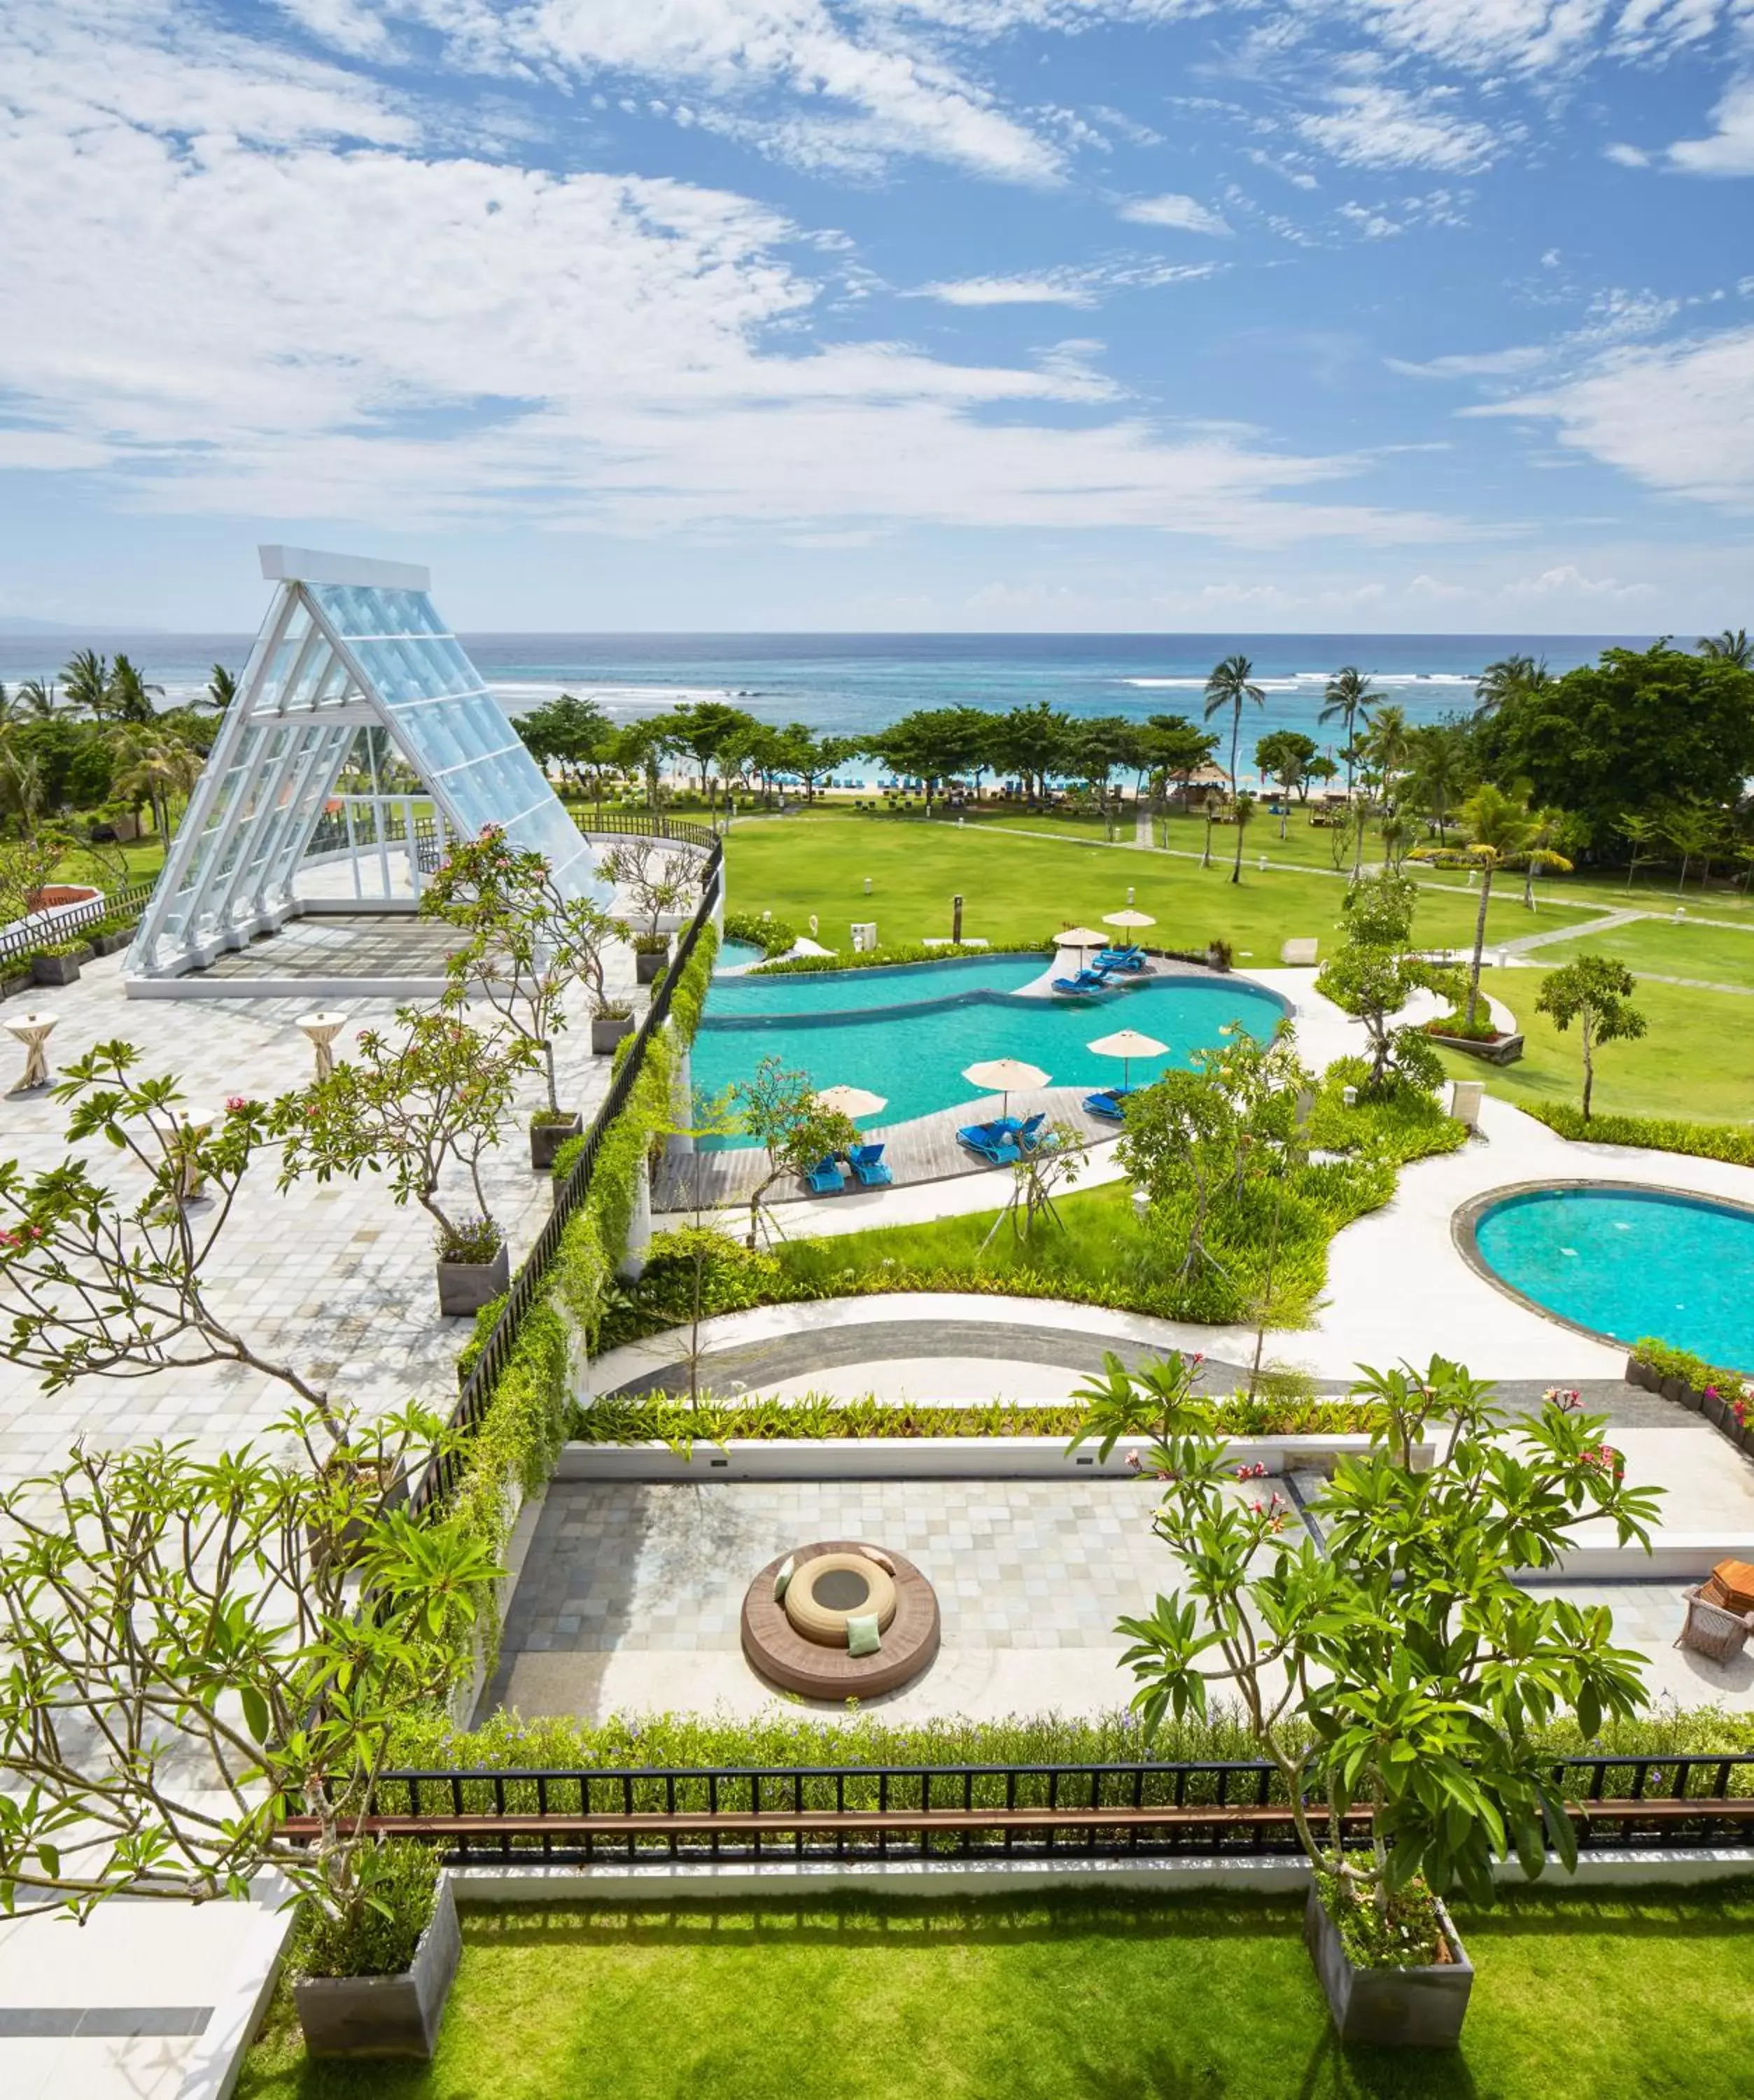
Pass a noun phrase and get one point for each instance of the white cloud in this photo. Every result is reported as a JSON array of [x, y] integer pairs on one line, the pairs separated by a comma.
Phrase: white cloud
[[1068, 290], [1185, 215], [1370, 125], [1730, 150], [1533, 36], [1626, 156], [319, 329], [1679, 418]]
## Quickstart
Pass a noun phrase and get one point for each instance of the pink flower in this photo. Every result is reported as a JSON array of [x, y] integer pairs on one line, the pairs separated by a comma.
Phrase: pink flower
[[1133, 1461]]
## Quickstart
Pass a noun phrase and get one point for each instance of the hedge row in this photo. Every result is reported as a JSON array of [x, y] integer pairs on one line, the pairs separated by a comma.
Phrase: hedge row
[[1730, 1141]]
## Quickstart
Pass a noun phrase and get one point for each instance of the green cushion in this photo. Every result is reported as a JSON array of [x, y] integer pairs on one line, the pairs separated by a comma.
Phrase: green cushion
[[862, 1636], [783, 1576]]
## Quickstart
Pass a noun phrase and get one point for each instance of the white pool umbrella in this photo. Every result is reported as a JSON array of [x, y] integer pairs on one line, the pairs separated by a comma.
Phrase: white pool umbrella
[[1127, 1044], [1080, 937], [852, 1102], [1003, 1075], [1129, 918]]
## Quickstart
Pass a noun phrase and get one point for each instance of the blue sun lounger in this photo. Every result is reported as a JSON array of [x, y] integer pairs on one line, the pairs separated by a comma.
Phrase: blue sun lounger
[[1132, 958], [1028, 1135], [1086, 981], [825, 1178], [1109, 1101], [998, 1148], [866, 1163]]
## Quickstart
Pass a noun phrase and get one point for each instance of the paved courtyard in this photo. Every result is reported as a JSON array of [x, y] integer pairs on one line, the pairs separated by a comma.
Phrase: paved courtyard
[[630, 1597]]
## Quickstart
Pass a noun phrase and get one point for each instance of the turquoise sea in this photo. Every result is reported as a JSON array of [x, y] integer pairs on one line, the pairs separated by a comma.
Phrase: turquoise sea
[[841, 684]]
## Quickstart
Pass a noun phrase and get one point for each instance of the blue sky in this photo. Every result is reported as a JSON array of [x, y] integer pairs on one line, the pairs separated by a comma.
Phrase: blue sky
[[1345, 314]]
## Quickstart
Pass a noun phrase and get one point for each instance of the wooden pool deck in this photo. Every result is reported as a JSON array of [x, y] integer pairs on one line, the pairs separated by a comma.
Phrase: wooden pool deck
[[923, 1150]]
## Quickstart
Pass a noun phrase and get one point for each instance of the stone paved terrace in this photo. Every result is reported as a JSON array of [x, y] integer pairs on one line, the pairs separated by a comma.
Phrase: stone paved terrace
[[337, 1279]]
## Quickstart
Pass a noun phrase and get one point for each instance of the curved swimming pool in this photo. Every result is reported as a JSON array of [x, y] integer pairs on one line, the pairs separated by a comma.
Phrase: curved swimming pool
[[906, 1032], [1627, 1262]]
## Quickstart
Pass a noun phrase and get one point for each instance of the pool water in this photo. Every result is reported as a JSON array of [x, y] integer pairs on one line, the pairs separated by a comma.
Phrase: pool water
[[737, 955], [1631, 1262], [906, 1033]]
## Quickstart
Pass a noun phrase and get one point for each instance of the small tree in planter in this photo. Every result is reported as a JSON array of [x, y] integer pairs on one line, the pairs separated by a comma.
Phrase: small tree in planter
[[1597, 993], [1400, 1675], [439, 1093], [657, 876], [528, 943], [98, 1285], [780, 1110], [188, 1668]]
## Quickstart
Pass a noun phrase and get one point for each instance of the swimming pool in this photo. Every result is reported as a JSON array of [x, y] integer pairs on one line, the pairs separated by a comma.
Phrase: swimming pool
[[1627, 1262], [906, 1032]]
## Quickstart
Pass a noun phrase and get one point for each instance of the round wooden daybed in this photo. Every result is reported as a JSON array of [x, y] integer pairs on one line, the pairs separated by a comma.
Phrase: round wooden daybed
[[814, 1669]]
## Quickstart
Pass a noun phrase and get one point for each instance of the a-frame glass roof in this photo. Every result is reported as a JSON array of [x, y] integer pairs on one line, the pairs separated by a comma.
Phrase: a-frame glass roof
[[347, 645]]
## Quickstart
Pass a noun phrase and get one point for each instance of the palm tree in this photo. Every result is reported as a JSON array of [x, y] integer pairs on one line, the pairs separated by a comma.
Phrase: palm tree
[[1729, 648], [222, 688], [156, 769], [85, 679], [129, 695], [1500, 830], [1507, 677], [1439, 769], [1231, 683], [36, 696], [1349, 699]]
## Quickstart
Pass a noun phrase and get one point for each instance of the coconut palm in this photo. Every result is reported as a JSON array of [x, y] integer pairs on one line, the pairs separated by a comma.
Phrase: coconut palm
[[130, 696], [1501, 833], [1349, 699], [155, 769], [36, 698], [1507, 677], [1439, 753], [85, 680], [222, 688], [1231, 683], [1729, 648]]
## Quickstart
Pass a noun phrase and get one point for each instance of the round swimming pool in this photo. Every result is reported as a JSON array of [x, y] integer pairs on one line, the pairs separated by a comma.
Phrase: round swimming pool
[[1627, 1262], [906, 1033]]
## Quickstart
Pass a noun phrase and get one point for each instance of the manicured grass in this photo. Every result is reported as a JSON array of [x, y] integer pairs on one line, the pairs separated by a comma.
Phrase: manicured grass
[[1692, 1061], [1072, 1995], [1716, 954], [1016, 886]]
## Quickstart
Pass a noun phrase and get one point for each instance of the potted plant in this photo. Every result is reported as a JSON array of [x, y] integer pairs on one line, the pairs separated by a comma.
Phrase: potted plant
[[611, 1019], [57, 962], [438, 1094], [474, 1265], [529, 944], [658, 877], [1372, 1675], [110, 936], [282, 1728]]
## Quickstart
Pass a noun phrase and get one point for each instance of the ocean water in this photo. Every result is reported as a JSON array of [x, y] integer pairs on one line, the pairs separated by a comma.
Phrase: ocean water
[[844, 684]]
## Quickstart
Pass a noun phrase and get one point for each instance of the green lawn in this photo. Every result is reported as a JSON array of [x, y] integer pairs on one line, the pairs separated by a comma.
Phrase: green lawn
[[1693, 1061], [1718, 954], [1072, 1995], [1017, 887]]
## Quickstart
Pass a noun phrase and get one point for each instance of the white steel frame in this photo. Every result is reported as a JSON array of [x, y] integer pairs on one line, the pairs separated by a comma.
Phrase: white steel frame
[[312, 682]]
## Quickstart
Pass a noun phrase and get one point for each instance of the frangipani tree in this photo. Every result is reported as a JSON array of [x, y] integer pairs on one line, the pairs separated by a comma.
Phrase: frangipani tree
[[97, 1284], [187, 1666], [782, 1111], [528, 941], [1375, 972], [1596, 992], [1404, 1671]]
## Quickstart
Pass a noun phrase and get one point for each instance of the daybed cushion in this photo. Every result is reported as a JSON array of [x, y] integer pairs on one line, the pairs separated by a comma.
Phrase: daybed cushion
[[783, 1576], [862, 1636]]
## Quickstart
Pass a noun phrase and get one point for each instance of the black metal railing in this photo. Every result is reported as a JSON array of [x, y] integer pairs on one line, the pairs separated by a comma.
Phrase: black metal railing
[[1210, 1808], [525, 1285], [73, 918], [645, 824]]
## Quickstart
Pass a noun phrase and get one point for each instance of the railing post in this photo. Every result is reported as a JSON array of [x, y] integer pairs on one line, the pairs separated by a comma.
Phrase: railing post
[[632, 1262]]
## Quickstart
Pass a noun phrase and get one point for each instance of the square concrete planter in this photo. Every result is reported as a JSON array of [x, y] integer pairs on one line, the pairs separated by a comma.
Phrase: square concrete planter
[[55, 969], [1502, 1050], [465, 1287], [385, 2015], [608, 1030], [546, 1139], [650, 964], [1389, 2008], [109, 944]]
